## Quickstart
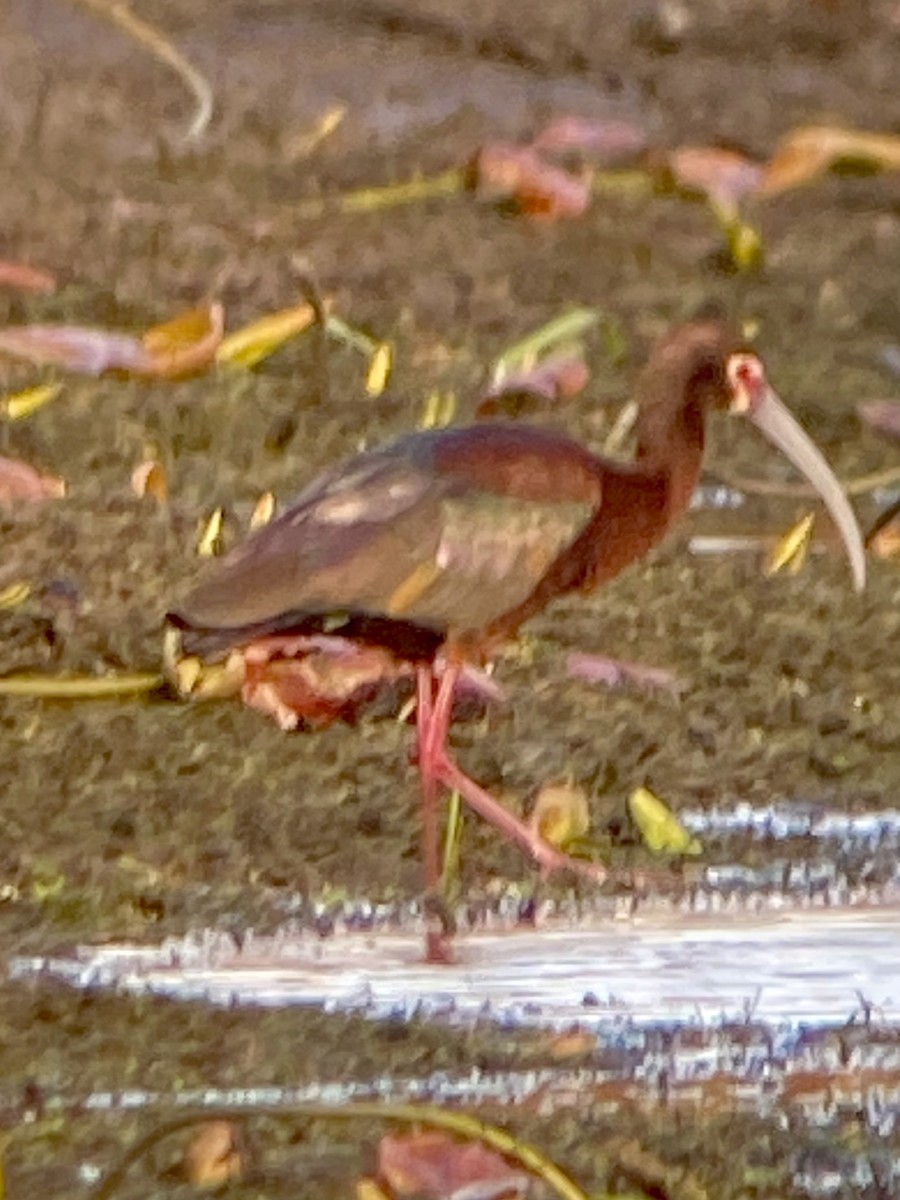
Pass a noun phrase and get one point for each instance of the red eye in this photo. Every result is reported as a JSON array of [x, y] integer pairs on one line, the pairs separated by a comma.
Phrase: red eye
[[747, 380], [748, 374]]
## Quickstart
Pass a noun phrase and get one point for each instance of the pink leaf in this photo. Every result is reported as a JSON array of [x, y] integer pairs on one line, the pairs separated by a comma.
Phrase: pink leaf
[[882, 415], [316, 679], [182, 346], [19, 481], [603, 141], [433, 1165], [725, 176], [74, 348], [519, 173], [26, 278], [614, 672], [557, 377]]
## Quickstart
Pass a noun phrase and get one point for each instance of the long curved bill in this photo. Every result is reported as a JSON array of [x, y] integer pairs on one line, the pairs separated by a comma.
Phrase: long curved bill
[[775, 421]]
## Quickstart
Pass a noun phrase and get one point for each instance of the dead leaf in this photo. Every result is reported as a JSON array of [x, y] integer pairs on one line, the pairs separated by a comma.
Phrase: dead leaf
[[14, 594], [19, 481], [560, 814], [209, 542], [604, 142], [433, 1165], [661, 830], [18, 405], [614, 672], [557, 377], [315, 679], [790, 551], [26, 278], [560, 334], [883, 539], [368, 1188], [254, 342], [538, 188], [804, 154], [212, 1157], [438, 410], [301, 145], [185, 345], [379, 371], [743, 241], [881, 415], [75, 348], [149, 479], [724, 176], [263, 511]]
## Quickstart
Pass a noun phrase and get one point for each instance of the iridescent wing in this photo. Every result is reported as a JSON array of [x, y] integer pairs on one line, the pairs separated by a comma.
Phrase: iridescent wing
[[409, 533]]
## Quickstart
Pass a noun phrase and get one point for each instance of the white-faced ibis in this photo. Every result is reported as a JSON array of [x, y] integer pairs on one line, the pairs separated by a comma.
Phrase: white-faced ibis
[[441, 544]]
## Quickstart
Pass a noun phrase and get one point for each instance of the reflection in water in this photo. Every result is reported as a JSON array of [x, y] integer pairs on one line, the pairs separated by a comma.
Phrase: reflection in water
[[802, 966]]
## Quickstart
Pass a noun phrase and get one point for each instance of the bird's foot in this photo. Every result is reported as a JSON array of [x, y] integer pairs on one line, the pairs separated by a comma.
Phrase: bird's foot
[[547, 856], [440, 929], [550, 859]]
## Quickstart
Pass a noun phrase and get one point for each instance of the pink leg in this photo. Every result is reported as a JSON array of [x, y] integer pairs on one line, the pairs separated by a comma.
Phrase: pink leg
[[439, 933], [516, 830], [427, 780], [436, 765]]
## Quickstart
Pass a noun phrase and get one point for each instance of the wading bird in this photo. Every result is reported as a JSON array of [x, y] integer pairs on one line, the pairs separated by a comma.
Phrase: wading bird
[[437, 547]]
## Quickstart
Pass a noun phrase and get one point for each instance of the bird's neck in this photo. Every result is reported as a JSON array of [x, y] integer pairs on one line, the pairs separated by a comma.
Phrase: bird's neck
[[670, 443]]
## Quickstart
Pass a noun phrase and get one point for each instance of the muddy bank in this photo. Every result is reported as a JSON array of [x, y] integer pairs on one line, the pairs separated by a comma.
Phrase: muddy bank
[[133, 819]]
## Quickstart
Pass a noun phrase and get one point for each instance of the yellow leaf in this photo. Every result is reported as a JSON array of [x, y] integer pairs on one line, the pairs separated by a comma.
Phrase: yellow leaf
[[804, 154], [790, 550], [14, 594], [744, 245], [368, 1188], [23, 404], [149, 479], [303, 144], [208, 681], [560, 814], [77, 687], [186, 344], [212, 1156], [438, 410], [210, 537], [661, 830], [248, 346], [379, 370], [263, 511]]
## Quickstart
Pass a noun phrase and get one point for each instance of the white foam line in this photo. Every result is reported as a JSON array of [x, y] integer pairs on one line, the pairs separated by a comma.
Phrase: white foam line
[[800, 966]]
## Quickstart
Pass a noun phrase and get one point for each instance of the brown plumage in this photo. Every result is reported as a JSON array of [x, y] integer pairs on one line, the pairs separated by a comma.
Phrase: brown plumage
[[445, 542]]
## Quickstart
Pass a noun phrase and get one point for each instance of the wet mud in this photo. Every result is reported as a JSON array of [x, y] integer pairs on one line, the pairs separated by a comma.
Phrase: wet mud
[[136, 819]]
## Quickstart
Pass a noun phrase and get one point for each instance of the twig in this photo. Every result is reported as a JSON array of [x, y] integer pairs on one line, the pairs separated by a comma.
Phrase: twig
[[860, 485], [393, 195], [311, 294], [161, 48], [422, 1114], [621, 428]]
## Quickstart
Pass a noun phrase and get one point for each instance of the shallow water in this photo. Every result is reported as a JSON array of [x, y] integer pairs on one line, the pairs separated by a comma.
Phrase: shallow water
[[794, 941], [799, 966]]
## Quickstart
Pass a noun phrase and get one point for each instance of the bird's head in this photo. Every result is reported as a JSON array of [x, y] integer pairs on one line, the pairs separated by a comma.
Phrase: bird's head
[[748, 393], [702, 366]]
